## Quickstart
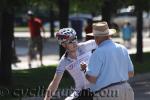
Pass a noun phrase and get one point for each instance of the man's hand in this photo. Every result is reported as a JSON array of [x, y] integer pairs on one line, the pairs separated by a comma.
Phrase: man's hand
[[48, 95], [47, 98], [83, 66], [130, 74]]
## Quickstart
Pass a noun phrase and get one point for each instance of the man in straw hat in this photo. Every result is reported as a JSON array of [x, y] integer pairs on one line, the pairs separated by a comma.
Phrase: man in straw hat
[[109, 67]]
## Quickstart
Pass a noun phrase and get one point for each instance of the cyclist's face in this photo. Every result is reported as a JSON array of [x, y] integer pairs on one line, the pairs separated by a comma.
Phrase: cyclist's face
[[71, 46]]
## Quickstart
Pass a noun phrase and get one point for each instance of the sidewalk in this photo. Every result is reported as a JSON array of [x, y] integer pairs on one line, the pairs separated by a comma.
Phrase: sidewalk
[[50, 54]]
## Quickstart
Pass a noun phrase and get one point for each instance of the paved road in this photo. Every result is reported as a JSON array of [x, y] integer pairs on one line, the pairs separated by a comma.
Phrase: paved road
[[50, 53], [142, 90]]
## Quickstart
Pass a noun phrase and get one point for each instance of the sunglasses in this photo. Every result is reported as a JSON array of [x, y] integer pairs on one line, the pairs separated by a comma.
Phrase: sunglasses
[[61, 37], [74, 40]]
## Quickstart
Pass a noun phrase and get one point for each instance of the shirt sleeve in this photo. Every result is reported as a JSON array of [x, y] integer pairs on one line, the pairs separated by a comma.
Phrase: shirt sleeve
[[39, 21], [88, 45], [61, 67], [130, 65], [95, 64], [128, 60]]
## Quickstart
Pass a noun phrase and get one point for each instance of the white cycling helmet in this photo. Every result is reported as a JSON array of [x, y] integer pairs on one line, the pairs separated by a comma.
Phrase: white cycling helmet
[[66, 35]]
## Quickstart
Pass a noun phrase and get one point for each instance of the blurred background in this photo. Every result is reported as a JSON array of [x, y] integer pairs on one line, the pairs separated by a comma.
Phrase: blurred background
[[56, 14]]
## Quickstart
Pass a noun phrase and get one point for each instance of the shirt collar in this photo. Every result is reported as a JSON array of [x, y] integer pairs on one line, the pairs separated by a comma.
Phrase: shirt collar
[[68, 58]]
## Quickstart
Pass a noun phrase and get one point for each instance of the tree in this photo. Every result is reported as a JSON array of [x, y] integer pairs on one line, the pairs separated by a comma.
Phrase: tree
[[109, 7], [140, 6], [63, 17], [106, 11], [104, 7], [86, 6], [51, 7], [7, 14], [51, 18], [139, 43], [6, 30]]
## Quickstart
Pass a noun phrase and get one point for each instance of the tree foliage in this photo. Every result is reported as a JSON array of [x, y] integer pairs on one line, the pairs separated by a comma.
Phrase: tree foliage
[[85, 6], [142, 4], [15, 4], [96, 5]]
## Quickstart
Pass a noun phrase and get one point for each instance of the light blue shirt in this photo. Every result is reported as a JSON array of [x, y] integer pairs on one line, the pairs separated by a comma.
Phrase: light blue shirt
[[109, 63]]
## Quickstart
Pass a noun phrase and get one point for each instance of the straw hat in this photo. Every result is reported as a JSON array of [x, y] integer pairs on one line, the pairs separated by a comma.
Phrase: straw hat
[[101, 29]]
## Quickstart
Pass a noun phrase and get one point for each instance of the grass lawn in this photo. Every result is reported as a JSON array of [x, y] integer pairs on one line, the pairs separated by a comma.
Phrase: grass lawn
[[143, 67], [39, 78], [33, 82]]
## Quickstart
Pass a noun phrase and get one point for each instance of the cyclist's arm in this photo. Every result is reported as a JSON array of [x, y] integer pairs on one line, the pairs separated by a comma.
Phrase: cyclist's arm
[[53, 86]]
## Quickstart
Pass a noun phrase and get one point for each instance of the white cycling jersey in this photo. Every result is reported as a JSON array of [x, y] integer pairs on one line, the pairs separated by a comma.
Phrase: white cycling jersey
[[73, 65]]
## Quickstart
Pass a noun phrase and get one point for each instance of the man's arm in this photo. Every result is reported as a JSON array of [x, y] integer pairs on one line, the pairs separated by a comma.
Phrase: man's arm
[[53, 86], [41, 27], [90, 78], [43, 30], [130, 74]]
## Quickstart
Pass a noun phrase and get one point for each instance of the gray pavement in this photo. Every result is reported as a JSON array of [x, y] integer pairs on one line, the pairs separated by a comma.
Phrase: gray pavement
[[141, 86], [140, 83], [50, 54]]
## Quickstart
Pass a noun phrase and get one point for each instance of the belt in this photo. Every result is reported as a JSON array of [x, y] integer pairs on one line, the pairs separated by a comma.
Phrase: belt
[[112, 84]]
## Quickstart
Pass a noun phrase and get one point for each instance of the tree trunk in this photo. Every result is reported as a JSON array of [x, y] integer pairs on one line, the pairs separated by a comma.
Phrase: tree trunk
[[63, 17], [0, 38], [139, 45], [106, 11], [6, 31], [52, 22]]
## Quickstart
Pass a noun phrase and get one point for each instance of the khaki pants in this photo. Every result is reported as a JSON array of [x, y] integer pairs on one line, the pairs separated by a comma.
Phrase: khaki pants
[[117, 92]]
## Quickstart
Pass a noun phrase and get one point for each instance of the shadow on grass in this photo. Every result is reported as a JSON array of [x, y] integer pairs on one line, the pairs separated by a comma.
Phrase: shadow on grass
[[143, 67], [33, 83]]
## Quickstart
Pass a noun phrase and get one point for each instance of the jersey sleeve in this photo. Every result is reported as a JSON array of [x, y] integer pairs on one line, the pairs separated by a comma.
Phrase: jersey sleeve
[[88, 45], [61, 67]]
